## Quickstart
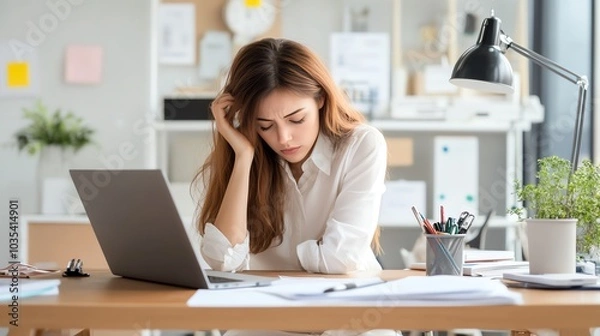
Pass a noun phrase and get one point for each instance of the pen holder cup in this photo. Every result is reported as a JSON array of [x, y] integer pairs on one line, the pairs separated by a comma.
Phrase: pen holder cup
[[444, 254]]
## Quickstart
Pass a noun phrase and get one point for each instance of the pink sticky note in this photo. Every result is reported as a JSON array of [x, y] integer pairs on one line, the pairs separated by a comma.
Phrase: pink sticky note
[[83, 64]]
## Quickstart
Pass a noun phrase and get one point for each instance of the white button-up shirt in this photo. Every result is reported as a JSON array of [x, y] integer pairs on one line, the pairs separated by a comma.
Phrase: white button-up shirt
[[337, 199]]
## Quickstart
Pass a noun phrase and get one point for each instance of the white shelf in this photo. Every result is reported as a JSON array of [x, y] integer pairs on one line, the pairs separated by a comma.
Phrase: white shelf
[[183, 125], [480, 126], [60, 219], [495, 222]]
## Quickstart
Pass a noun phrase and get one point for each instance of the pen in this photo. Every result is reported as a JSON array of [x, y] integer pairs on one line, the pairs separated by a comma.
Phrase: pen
[[350, 285]]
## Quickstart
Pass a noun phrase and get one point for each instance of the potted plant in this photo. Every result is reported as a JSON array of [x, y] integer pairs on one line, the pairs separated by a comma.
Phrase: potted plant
[[63, 130], [56, 136], [564, 209]]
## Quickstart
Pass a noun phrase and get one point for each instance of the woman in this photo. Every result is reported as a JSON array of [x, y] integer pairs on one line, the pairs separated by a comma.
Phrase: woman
[[295, 178]]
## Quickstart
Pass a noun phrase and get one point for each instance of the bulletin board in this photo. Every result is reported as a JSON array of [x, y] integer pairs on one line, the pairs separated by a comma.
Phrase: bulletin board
[[209, 16]]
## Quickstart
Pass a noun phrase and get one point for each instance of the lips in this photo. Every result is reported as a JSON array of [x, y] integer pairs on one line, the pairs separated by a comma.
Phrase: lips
[[290, 151]]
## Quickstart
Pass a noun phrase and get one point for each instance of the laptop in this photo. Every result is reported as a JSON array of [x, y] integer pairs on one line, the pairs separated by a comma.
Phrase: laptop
[[141, 232]]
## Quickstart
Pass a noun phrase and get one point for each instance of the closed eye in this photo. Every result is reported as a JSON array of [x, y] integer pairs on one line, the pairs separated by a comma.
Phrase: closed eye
[[265, 128], [298, 121]]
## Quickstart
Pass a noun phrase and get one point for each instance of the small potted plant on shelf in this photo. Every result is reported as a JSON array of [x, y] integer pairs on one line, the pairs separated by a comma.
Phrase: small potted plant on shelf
[[564, 210], [56, 136], [62, 130]]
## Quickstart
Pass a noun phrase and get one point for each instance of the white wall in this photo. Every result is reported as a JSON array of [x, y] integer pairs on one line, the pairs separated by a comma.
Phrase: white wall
[[112, 107]]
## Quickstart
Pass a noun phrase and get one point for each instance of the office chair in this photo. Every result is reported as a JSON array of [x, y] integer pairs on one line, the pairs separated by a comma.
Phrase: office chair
[[478, 241]]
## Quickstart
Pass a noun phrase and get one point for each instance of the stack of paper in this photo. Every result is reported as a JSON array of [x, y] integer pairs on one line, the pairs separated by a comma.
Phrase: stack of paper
[[475, 255], [495, 268], [487, 263], [18, 288], [411, 291]]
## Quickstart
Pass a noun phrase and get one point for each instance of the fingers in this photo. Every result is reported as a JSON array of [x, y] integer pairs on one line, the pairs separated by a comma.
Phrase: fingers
[[220, 105], [219, 109]]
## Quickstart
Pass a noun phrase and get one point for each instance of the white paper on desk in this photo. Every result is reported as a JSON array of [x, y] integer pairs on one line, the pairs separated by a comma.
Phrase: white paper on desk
[[411, 291], [260, 297], [398, 198], [438, 290], [27, 288]]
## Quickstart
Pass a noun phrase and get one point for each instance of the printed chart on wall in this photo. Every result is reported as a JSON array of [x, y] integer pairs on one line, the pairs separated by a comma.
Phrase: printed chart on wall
[[19, 73], [360, 65], [456, 174]]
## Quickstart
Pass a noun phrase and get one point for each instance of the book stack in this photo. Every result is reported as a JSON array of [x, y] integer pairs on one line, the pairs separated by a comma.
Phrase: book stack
[[14, 289], [487, 263]]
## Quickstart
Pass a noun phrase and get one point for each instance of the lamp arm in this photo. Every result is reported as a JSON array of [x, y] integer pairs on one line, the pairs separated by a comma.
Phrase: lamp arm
[[542, 61], [582, 83]]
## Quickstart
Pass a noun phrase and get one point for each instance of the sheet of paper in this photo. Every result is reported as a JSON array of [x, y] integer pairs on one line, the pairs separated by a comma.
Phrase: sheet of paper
[[215, 53], [177, 33], [28, 288], [360, 64], [83, 64], [397, 200], [410, 291]]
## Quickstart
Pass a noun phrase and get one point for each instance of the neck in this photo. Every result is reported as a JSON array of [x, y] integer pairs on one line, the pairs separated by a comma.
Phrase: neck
[[296, 169]]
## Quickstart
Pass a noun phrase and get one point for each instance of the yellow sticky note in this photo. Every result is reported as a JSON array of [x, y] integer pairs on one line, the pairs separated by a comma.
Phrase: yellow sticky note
[[17, 74], [253, 3]]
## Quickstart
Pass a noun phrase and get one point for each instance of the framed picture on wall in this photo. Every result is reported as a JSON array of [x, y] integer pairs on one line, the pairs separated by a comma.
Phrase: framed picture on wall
[[177, 33]]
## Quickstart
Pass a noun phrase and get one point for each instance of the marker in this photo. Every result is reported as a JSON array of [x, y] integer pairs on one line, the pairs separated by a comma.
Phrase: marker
[[351, 285]]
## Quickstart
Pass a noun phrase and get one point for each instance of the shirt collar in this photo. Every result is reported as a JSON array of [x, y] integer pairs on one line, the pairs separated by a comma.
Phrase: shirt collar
[[322, 153]]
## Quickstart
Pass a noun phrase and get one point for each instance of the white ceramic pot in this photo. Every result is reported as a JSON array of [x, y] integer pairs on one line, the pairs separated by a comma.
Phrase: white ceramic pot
[[551, 245], [54, 184]]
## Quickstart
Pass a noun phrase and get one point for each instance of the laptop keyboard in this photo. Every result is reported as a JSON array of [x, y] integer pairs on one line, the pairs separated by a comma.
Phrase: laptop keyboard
[[218, 279]]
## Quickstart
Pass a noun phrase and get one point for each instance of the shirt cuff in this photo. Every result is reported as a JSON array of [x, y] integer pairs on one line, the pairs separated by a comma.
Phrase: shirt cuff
[[309, 255], [316, 258], [220, 254]]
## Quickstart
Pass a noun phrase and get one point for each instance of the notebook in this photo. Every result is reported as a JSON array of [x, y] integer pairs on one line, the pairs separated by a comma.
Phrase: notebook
[[554, 280], [141, 233]]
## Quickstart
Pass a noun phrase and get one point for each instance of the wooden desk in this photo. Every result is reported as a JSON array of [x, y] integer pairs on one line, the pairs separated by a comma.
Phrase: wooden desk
[[103, 301]]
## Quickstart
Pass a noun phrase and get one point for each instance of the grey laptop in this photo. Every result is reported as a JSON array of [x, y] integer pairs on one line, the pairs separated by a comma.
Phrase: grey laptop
[[141, 233]]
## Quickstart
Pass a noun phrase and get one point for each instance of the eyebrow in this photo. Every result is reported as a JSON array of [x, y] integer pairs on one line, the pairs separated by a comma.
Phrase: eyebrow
[[287, 116]]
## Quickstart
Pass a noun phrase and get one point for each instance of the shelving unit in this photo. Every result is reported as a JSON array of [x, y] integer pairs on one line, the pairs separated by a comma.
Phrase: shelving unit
[[174, 139], [512, 131]]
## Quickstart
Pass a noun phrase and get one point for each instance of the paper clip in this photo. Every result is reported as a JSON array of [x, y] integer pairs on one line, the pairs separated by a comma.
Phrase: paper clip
[[75, 269]]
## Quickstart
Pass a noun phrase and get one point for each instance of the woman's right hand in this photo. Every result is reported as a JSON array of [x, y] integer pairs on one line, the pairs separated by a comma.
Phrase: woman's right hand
[[220, 107]]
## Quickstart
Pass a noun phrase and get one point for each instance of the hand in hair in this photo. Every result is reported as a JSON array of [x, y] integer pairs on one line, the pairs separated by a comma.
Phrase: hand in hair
[[220, 111]]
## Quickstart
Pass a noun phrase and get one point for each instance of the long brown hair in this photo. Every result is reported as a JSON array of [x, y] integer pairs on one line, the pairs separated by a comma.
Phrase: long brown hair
[[258, 69]]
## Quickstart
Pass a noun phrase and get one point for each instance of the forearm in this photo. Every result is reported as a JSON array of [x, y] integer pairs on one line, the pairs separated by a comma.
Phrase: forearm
[[232, 217]]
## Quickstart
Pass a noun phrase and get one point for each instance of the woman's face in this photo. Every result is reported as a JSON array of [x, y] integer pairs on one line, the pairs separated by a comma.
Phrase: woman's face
[[289, 124]]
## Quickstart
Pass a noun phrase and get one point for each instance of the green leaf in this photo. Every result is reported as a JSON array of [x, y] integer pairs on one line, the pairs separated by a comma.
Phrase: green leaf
[[61, 129], [557, 195]]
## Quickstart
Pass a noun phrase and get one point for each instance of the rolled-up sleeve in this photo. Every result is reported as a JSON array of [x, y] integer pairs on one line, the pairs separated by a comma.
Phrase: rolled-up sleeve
[[346, 242], [220, 255]]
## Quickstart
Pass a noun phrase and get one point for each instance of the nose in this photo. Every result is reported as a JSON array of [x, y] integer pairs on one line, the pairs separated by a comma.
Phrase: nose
[[284, 135]]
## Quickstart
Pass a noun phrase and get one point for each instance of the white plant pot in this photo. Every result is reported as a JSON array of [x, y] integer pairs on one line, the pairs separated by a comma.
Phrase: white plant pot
[[551, 245], [54, 184]]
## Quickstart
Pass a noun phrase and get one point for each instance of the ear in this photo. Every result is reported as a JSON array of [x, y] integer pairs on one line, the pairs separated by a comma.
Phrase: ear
[[321, 102]]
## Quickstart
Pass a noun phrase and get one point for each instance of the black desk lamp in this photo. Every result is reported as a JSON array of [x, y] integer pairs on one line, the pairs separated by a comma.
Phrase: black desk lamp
[[484, 67]]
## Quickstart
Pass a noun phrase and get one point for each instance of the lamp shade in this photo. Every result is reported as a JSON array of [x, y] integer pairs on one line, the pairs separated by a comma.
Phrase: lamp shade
[[483, 66]]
